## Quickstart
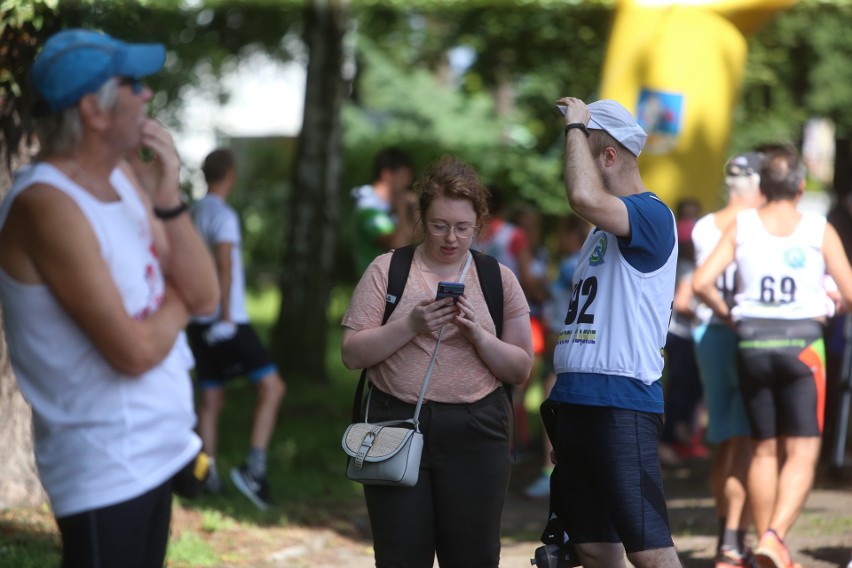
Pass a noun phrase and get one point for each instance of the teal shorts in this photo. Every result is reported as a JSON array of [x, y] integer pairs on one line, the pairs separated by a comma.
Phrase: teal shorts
[[716, 351]]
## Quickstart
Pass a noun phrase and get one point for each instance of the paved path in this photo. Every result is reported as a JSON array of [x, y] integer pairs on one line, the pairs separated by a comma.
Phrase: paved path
[[822, 537]]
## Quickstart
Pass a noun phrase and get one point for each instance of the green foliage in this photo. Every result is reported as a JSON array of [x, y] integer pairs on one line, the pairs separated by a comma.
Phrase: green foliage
[[212, 521], [260, 195], [202, 40], [189, 549], [497, 113], [23, 27], [28, 539], [524, 55], [797, 68]]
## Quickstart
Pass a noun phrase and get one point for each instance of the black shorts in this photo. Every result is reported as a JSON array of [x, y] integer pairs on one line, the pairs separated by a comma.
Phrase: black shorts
[[132, 533], [782, 376], [243, 354], [609, 484]]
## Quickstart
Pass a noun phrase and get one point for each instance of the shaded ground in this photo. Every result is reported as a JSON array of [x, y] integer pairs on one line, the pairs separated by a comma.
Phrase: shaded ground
[[331, 535], [822, 537]]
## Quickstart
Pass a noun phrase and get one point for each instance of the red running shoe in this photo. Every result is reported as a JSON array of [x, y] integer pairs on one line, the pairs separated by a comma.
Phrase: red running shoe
[[771, 552]]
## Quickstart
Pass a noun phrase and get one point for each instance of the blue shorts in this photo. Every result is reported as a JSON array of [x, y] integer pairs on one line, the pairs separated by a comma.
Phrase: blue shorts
[[243, 354], [609, 484], [716, 351]]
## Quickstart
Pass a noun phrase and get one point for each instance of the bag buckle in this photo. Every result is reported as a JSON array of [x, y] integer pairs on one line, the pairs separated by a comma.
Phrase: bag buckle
[[366, 444]]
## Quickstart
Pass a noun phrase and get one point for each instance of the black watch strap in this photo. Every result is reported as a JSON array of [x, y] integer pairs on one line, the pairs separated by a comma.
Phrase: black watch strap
[[166, 214], [579, 125]]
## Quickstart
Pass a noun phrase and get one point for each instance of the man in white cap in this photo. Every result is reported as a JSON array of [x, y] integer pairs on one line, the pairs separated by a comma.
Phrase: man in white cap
[[101, 268], [608, 486]]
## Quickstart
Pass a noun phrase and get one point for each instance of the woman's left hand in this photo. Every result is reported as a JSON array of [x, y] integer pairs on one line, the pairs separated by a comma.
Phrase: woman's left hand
[[467, 321]]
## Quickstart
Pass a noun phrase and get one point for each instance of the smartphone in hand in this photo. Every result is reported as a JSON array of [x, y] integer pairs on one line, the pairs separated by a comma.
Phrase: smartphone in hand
[[450, 290]]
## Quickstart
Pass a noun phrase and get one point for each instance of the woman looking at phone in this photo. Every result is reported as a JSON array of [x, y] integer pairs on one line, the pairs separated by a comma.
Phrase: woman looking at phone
[[455, 508]]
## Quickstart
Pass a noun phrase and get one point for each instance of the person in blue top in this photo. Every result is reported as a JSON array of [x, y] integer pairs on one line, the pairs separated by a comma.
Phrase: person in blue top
[[608, 358]]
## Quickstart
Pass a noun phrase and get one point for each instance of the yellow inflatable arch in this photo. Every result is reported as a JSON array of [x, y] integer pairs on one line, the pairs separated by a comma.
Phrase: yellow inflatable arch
[[678, 66]]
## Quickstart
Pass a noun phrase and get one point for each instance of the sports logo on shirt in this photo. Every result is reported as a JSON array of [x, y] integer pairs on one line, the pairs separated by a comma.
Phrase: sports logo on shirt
[[597, 257], [794, 257]]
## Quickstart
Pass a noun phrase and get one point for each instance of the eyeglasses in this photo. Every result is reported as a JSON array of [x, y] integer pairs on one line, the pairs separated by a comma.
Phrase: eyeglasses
[[133, 82], [462, 231]]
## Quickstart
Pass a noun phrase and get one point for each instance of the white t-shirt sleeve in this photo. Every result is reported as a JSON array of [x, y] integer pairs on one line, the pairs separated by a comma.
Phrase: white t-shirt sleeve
[[227, 228]]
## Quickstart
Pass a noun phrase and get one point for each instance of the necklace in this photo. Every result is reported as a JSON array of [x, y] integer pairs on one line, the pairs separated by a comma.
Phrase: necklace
[[96, 187], [424, 268]]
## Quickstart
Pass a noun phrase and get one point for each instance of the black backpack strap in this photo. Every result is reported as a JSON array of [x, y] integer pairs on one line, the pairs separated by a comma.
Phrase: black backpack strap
[[491, 282], [400, 266]]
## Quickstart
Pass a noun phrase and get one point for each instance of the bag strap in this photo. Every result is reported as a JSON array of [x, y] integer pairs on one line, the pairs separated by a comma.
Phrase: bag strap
[[491, 282], [400, 266], [428, 374]]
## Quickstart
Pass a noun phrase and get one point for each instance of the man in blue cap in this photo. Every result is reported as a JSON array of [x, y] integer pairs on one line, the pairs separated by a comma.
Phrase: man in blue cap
[[608, 358], [101, 269]]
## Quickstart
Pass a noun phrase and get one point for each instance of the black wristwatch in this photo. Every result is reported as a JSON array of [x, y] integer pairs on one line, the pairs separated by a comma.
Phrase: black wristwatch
[[579, 125], [166, 214]]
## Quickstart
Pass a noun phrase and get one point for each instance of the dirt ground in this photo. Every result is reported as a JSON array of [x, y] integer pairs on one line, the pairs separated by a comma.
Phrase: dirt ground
[[821, 538]]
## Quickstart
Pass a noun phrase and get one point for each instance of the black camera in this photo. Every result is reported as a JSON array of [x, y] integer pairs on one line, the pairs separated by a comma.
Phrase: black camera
[[558, 551], [555, 556], [450, 290]]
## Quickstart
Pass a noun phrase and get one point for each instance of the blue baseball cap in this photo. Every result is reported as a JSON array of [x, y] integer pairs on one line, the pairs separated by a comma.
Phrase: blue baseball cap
[[76, 62]]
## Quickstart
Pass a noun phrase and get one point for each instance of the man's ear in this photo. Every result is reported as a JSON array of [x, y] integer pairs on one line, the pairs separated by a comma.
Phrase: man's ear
[[610, 154], [91, 114]]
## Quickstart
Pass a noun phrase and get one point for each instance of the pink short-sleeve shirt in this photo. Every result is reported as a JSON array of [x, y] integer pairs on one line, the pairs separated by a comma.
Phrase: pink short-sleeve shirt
[[459, 375]]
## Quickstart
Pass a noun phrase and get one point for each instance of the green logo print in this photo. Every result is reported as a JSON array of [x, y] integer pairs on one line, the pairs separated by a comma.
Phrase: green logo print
[[794, 257], [597, 257]]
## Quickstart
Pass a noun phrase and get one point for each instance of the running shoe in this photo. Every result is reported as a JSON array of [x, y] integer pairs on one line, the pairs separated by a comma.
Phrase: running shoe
[[538, 489], [256, 489], [213, 483], [732, 558], [771, 552]]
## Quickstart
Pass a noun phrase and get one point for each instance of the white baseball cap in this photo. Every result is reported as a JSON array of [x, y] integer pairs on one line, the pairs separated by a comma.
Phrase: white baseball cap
[[611, 117]]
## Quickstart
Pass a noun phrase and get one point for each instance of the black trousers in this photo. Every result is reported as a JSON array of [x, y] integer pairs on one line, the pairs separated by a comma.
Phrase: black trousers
[[131, 534], [454, 510]]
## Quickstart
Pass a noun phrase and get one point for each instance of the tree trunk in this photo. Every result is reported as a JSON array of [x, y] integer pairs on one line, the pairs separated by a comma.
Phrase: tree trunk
[[19, 483], [301, 332]]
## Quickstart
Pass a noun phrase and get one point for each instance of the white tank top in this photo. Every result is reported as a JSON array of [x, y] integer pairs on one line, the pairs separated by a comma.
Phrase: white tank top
[[705, 236], [499, 246], [779, 277], [619, 316], [101, 437]]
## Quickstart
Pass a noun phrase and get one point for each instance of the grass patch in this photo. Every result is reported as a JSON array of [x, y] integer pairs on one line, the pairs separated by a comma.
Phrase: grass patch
[[190, 550], [306, 467], [28, 539], [214, 521]]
